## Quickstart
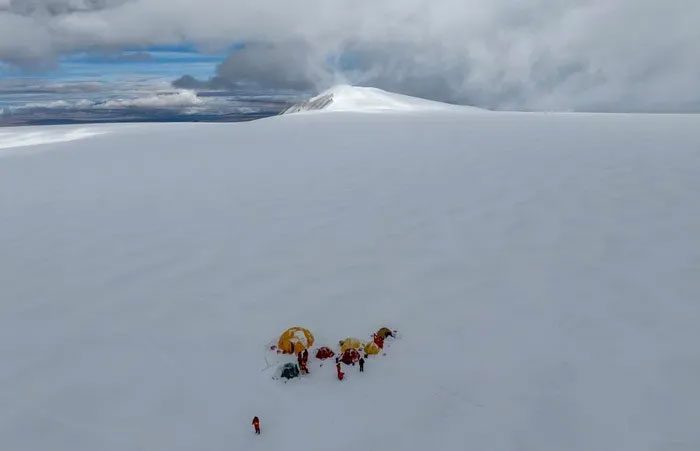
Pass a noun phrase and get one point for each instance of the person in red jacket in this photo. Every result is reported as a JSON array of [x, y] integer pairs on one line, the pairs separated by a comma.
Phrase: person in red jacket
[[340, 373], [256, 425], [302, 362]]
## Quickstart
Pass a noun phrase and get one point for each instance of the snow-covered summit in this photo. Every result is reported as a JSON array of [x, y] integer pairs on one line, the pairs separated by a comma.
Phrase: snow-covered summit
[[365, 99]]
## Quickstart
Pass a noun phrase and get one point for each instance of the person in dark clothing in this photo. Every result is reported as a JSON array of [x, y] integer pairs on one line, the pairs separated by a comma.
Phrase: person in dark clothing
[[362, 365], [302, 363], [305, 355], [256, 425]]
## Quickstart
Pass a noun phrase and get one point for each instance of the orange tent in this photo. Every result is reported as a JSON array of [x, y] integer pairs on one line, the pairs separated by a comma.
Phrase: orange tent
[[294, 340]]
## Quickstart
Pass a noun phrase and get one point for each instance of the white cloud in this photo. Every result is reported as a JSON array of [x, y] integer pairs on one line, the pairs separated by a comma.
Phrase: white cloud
[[170, 100], [531, 54]]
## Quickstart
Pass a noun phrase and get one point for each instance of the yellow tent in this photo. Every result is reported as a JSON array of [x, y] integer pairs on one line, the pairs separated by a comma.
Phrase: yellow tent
[[350, 343], [371, 348], [295, 340], [384, 332]]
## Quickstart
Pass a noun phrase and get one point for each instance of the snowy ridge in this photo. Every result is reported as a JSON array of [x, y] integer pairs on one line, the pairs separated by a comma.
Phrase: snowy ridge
[[364, 99]]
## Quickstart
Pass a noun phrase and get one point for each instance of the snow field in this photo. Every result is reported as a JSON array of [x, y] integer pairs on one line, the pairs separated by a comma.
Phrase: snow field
[[542, 269]]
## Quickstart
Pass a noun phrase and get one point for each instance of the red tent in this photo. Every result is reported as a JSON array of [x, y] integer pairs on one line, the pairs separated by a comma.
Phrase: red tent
[[324, 353], [350, 356], [379, 341]]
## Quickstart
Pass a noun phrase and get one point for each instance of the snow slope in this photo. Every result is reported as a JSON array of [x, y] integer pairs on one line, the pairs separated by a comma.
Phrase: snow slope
[[542, 268], [31, 136], [371, 100]]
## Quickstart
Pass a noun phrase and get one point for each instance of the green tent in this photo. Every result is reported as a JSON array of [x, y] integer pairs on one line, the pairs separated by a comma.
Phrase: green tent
[[289, 371]]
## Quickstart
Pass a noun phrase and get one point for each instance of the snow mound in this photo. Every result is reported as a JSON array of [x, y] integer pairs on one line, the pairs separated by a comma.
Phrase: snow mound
[[366, 100]]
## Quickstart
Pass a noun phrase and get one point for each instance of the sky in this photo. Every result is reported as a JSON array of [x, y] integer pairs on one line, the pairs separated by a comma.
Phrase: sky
[[542, 55], [125, 85]]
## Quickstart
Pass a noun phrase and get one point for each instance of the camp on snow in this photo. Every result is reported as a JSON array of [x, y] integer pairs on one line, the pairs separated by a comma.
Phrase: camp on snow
[[296, 340]]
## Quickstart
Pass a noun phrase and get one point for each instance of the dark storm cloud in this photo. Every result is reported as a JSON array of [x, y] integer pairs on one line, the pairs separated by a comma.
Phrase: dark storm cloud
[[288, 66], [533, 54]]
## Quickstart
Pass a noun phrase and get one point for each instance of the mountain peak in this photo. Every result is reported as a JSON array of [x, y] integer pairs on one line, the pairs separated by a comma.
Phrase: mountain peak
[[370, 100]]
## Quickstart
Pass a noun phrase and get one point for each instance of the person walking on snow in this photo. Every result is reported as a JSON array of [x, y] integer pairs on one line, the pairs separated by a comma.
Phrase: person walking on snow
[[302, 363], [362, 365], [256, 425], [305, 355], [340, 373]]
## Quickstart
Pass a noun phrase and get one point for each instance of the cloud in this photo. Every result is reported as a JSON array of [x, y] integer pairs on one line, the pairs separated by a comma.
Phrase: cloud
[[620, 55], [179, 99], [266, 66], [176, 100], [58, 7]]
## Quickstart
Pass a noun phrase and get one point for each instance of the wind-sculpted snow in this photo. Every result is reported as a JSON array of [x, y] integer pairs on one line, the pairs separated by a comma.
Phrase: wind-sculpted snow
[[542, 270], [319, 102]]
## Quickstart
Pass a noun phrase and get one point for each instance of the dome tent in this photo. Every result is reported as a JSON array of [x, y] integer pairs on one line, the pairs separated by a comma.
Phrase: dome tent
[[350, 343], [324, 352], [288, 371], [350, 356], [372, 348], [295, 340], [384, 332]]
